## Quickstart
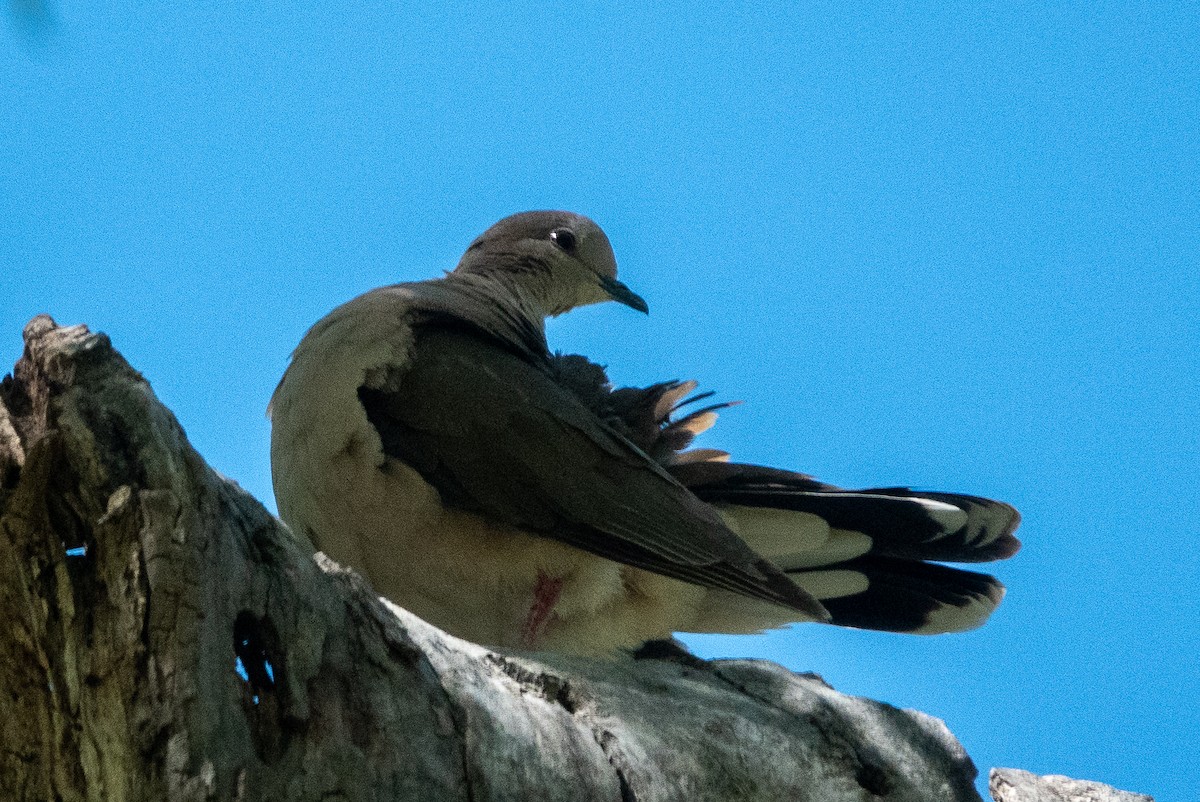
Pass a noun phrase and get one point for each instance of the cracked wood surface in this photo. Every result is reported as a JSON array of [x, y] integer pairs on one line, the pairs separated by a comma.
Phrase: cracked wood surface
[[118, 665]]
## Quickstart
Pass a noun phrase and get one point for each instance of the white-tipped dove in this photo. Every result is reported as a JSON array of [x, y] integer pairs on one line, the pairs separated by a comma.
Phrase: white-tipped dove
[[425, 436]]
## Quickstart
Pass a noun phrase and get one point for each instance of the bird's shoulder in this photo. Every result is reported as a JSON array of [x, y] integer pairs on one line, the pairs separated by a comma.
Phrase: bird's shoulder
[[374, 334]]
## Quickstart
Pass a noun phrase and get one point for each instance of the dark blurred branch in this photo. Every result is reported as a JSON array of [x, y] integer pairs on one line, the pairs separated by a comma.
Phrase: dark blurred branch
[[33, 20]]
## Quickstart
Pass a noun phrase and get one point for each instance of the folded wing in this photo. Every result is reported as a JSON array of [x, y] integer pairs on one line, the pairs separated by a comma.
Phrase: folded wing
[[496, 434], [870, 556]]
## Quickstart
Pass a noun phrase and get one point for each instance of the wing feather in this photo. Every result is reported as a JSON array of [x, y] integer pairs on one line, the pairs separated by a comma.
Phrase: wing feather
[[497, 435]]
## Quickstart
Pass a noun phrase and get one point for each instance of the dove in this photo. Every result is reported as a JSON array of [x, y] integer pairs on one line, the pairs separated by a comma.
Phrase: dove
[[425, 436]]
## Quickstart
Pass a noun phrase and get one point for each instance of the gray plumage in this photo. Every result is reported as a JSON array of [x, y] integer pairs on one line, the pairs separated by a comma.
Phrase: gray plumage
[[424, 435]]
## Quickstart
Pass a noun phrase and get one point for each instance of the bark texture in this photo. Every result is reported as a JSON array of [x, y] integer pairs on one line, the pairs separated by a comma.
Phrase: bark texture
[[1015, 785], [163, 637]]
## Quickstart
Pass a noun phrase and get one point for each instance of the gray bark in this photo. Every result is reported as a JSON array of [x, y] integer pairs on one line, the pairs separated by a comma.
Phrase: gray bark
[[117, 667], [1015, 785]]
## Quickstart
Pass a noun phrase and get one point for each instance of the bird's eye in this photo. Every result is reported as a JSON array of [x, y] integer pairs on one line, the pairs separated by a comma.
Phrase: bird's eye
[[564, 238]]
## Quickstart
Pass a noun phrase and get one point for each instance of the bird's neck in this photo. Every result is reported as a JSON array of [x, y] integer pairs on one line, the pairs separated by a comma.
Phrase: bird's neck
[[514, 310], [526, 289]]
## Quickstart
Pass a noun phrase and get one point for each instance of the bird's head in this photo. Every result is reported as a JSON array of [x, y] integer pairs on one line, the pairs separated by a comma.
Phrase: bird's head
[[559, 260]]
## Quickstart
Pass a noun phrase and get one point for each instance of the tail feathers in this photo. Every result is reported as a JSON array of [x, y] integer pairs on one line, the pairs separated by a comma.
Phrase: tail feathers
[[892, 595], [869, 555], [990, 524], [918, 527], [879, 593], [898, 522]]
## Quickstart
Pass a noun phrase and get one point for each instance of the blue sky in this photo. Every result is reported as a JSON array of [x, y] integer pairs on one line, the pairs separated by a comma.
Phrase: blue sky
[[952, 246]]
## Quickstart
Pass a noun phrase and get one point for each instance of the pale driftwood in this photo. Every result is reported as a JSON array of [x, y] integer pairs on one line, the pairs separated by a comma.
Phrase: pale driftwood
[[117, 675], [1016, 785]]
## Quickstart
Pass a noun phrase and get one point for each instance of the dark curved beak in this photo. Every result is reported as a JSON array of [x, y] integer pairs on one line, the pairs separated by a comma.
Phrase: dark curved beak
[[623, 295]]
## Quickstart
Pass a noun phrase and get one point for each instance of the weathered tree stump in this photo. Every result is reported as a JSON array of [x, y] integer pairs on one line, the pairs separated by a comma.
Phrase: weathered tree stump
[[164, 637]]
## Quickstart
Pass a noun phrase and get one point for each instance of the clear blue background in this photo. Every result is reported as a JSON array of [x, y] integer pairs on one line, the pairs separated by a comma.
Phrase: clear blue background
[[951, 248]]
